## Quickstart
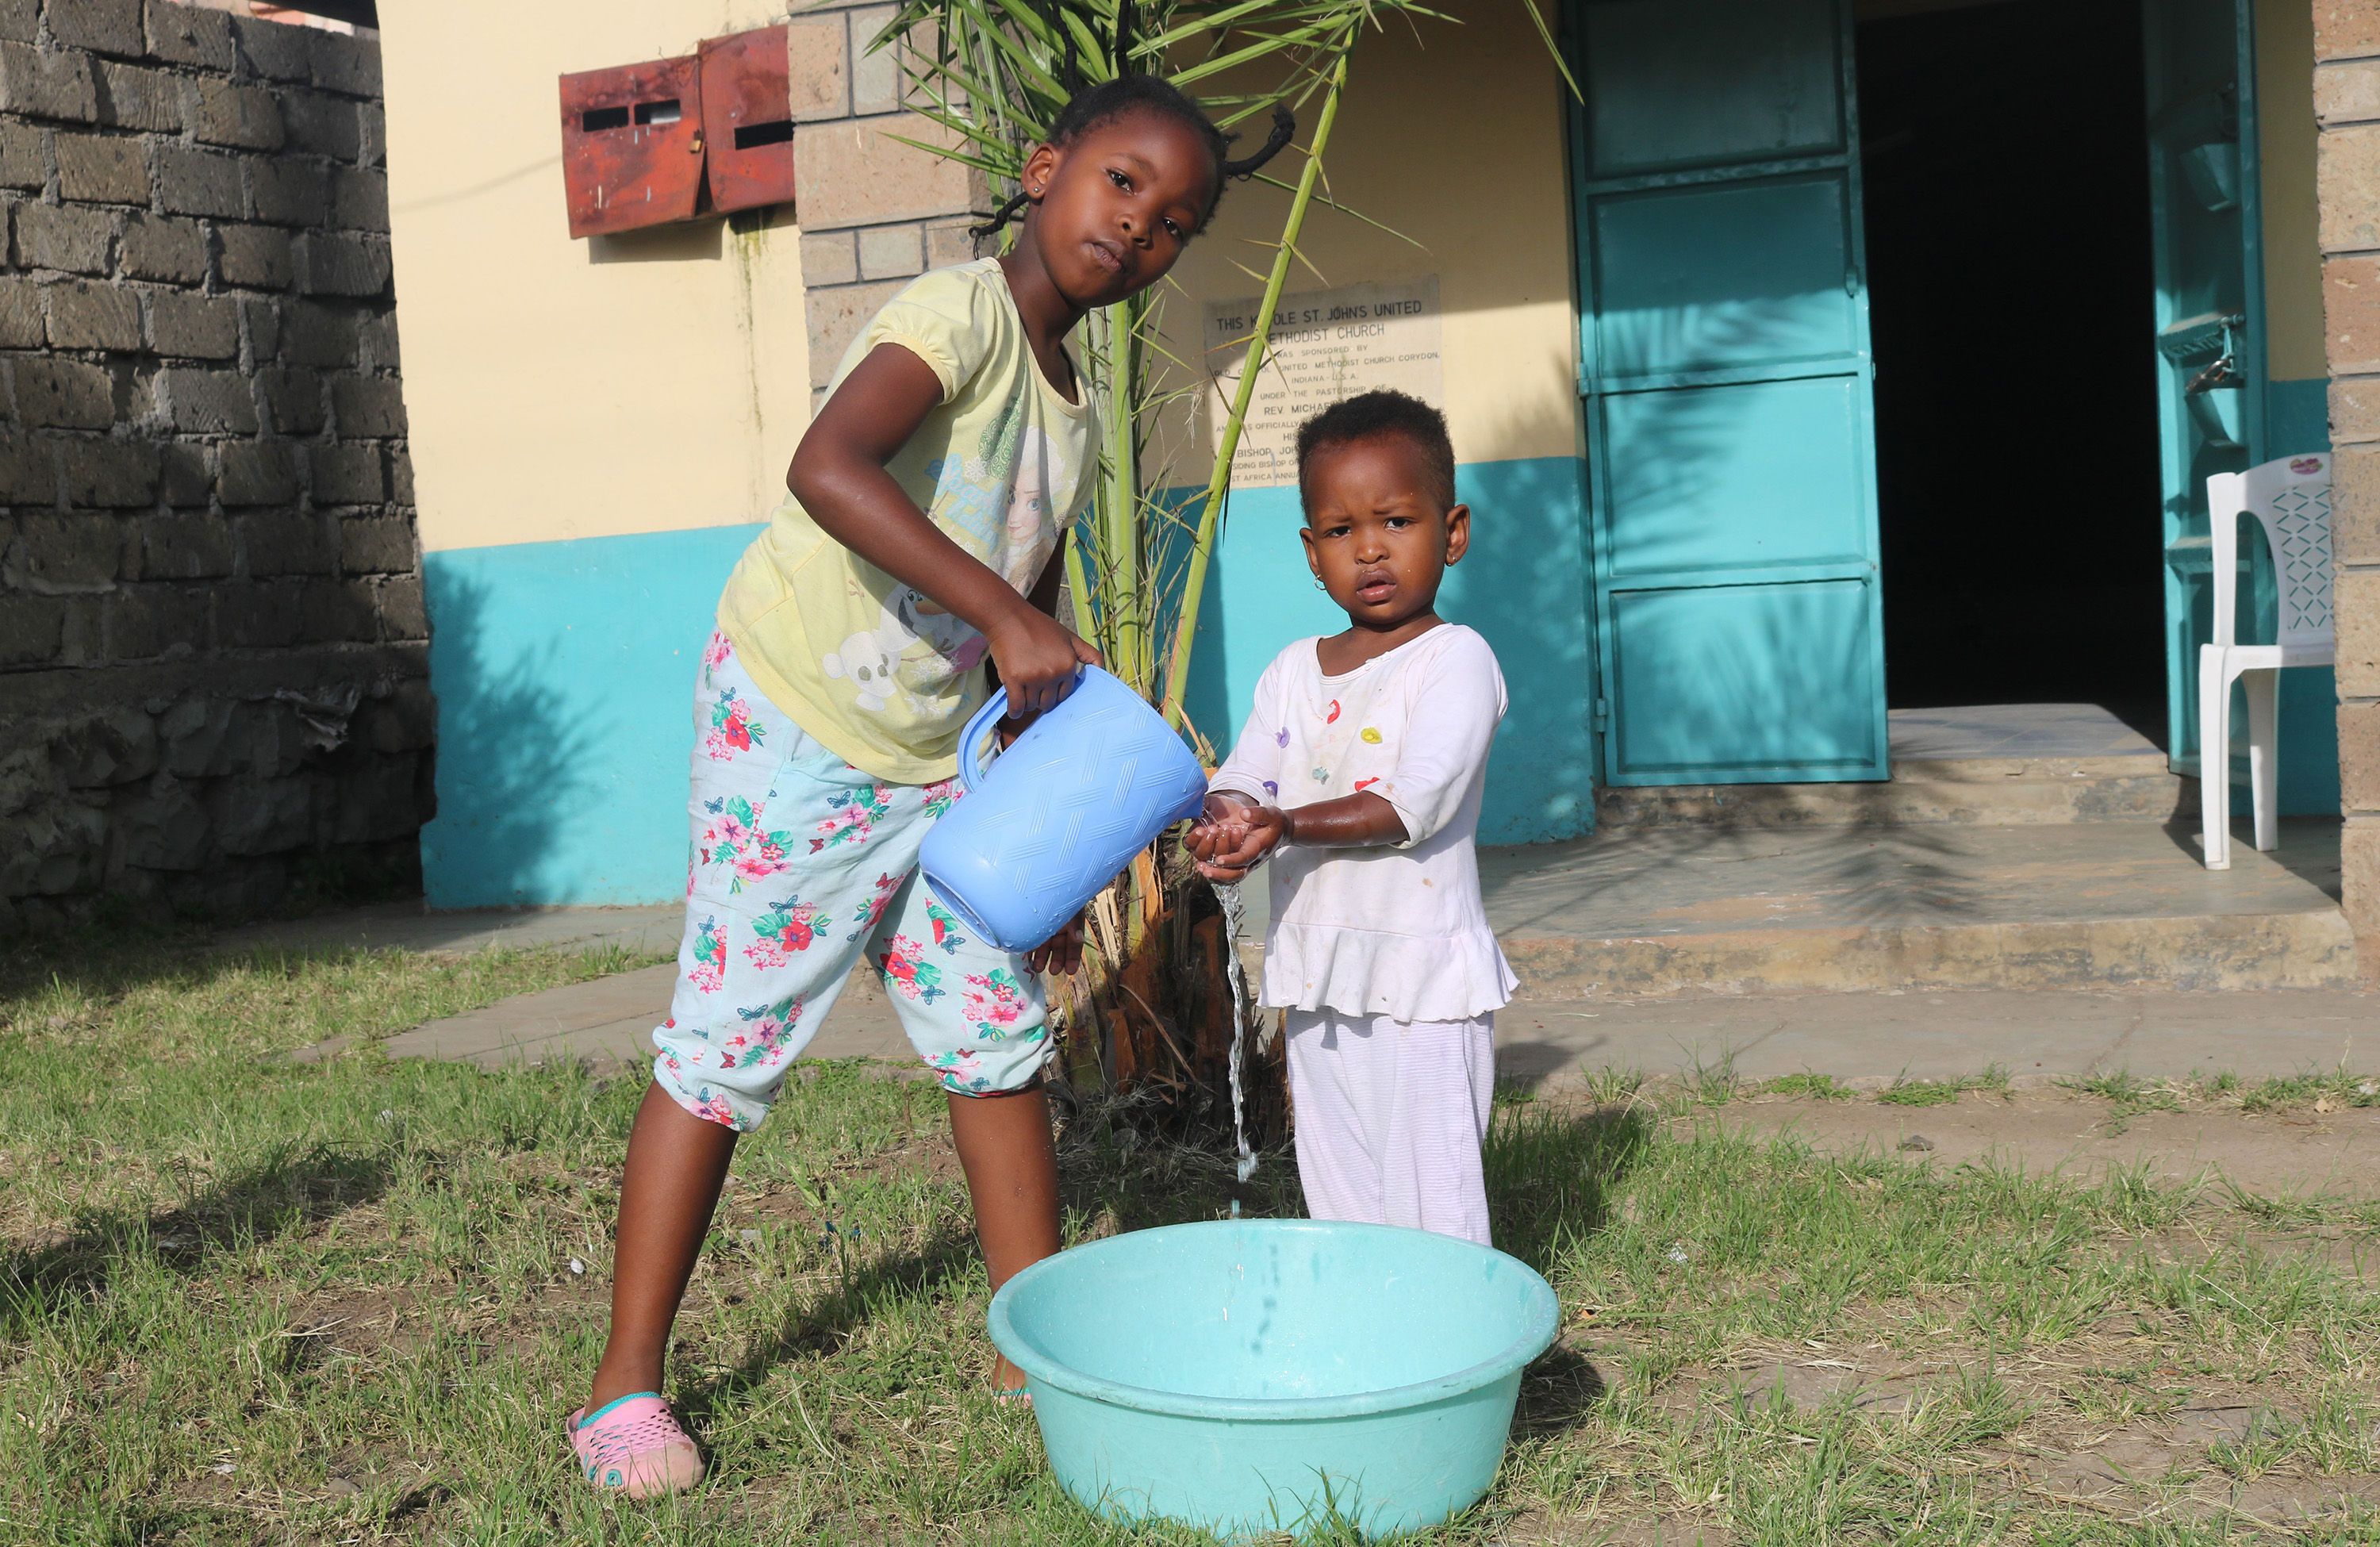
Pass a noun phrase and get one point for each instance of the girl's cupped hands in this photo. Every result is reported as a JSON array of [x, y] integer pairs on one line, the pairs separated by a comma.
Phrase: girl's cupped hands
[[1229, 839]]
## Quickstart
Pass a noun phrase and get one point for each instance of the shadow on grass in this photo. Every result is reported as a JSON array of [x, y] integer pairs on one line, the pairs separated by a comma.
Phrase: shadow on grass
[[1552, 1172], [289, 1189], [1559, 1392], [823, 1324]]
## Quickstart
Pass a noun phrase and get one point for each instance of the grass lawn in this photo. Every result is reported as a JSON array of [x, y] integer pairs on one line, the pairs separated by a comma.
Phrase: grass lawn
[[249, 1300]]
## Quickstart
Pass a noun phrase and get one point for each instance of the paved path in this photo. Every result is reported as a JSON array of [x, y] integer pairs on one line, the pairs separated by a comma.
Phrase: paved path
[[1868, 1040], [1865, 1039], [405, 927], [1869, 1037], [2038, 1035], [612, 1019]]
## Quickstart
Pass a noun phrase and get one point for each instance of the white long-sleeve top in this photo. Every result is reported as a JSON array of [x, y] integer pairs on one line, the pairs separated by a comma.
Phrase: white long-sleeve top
[[1396, 931]]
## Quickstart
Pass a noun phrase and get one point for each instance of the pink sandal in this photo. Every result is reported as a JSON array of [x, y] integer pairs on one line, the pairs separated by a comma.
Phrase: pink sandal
[[636, 1445]]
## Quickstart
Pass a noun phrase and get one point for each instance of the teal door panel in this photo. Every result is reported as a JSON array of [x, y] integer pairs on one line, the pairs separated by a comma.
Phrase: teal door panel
[[1756, 475], [2205, 208], [1766, 287], [1676, 83], [1783, 701], [1724, 360]]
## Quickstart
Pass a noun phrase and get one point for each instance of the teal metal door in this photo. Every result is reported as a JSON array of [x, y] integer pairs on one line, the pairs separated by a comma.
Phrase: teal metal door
[[2206, 206], [1725, 367]]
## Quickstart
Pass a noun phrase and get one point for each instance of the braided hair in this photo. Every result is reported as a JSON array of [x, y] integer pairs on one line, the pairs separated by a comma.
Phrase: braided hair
[[1097, 106]]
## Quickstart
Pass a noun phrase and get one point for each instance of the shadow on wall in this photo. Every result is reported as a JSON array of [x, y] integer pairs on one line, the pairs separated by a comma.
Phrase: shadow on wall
[[1746, 481], [565, 675], [512, 764], [1522, 587]]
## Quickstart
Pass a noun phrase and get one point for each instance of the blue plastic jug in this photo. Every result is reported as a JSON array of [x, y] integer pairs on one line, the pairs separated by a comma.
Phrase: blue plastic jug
[[1060, 812]]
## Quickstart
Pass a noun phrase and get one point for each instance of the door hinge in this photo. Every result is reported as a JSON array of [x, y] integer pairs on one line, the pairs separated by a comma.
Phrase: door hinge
[[1602, 712]]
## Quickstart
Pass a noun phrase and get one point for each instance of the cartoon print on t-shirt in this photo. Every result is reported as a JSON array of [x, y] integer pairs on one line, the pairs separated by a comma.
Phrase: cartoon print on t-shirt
[[1032, 508], [877, 662], [866, 660], [909, 617]]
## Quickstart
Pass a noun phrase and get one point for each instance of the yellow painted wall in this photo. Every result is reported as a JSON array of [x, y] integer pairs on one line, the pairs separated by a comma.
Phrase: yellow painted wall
[[561, 388], [2286, 139], [1453, 136]]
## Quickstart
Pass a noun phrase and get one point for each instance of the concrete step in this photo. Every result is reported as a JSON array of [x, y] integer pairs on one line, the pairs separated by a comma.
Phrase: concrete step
[[1751, 910], [1994, 791]]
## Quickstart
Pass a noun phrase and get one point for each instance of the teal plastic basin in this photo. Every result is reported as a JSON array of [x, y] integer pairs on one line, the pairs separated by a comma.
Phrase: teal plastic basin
[[1258, 1375]]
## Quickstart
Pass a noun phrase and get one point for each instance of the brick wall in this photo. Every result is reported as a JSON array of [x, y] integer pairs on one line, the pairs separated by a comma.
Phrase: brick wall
[[2346, 106], [212, 657], [874, 212]]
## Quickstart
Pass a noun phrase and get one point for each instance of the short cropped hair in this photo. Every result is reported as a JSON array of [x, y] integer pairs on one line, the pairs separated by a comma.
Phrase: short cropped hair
[[1370, 415]]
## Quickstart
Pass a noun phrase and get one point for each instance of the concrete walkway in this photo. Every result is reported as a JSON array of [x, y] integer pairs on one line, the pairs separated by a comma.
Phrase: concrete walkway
[[1868, 1040], [406, 927], [2039, 1035], [612, 1019]]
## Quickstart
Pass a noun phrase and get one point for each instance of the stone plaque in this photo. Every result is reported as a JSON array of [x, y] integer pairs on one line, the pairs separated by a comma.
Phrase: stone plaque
[[1325, 345]]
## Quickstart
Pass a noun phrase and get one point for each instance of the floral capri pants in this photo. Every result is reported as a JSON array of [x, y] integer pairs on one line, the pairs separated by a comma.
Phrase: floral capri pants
[[799, 864]]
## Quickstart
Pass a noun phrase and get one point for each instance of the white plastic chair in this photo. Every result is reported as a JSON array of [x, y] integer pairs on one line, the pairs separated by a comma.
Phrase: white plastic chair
[[2290, 499]]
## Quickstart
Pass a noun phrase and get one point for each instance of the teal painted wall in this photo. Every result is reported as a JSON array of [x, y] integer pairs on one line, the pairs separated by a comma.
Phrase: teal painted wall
[[565, 676], [1524, 586]]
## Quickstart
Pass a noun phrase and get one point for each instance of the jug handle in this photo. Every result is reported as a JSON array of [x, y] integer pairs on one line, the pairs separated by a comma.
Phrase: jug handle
[[979, 725]]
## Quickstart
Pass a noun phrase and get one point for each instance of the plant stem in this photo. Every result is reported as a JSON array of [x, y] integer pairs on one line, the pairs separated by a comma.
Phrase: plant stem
[[1194, 585], [1117, 338]]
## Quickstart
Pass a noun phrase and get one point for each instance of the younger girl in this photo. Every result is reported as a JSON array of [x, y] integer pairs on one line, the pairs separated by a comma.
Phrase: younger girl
[[1362, 762], [930, 497]]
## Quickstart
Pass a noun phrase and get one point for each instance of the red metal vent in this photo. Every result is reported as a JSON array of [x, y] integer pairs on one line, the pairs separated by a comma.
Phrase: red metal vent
[[748, 116], [632, 143]]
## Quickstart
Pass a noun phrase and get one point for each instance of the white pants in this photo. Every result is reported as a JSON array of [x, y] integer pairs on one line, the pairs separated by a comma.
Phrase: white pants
[[1390, 1115]]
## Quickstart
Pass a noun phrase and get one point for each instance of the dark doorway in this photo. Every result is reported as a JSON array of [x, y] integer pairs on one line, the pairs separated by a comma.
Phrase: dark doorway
[[2005, 152]]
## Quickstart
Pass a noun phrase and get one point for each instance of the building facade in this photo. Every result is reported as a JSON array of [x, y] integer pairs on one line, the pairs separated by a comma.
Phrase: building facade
[[1817, 357]]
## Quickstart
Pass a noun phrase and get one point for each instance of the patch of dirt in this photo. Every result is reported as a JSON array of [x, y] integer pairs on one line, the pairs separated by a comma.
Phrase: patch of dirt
[[2276, 1154], [935, 1157], [367, 1322], [1815, 1382], [1655, 1530], [2278, 1501]]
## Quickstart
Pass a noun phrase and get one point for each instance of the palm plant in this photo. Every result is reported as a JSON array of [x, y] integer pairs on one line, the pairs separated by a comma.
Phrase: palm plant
[[995, 74]]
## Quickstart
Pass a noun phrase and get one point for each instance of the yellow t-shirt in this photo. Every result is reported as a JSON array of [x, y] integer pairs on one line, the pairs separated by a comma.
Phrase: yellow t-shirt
[[869, 667]]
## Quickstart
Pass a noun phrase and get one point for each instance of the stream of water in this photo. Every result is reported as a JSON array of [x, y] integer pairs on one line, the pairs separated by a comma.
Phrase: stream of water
[[1228, 894]]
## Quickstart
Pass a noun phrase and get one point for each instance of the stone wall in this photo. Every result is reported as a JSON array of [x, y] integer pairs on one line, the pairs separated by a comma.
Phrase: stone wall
[[874, 212], [212, 659]]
